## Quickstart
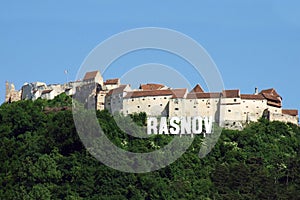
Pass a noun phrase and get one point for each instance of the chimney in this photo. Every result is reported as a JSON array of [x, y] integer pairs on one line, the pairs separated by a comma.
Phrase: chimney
[[256, 91]]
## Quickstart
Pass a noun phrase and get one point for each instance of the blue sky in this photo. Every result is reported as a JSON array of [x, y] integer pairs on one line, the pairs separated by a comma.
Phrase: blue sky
[[254, 43]]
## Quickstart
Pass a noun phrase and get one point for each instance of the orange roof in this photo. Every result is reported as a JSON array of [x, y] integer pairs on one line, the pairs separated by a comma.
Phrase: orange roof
[[270, 91], [175, 93], [231, 93], [203, 95], [151, 86], [197, 88], [207, 95], [271, 94], [252, 96], [90, 75], [271, 97], [274, 99], [114, 81], [290, 112]]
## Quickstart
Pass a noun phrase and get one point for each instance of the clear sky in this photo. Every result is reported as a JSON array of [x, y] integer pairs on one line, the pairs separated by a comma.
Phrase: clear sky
[[254, 43]]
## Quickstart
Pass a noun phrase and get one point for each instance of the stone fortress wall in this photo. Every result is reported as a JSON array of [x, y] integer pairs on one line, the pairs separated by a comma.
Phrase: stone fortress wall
[[229, 108]]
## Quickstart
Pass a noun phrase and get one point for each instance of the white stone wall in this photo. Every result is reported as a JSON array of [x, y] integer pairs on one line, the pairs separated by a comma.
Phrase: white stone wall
[[28, 89], [152, 105], [252, 109], [200, 107], [231, 109], [231, 112], [274, 109], [178, 108], [283, 118], [36, 95]]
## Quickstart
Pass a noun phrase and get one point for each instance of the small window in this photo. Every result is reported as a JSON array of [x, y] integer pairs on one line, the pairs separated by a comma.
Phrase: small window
[[246, 106], [257, 106], [165, 97], [143, 99], [257, 113], [194, 106], [234, 100], [244, 101], [176, 108], [138, 106], [149, 105], [203, 100], [275, 110], [245, 113], [229, 110], [132, 100], [253, 101], [153, 98], [160, 104]]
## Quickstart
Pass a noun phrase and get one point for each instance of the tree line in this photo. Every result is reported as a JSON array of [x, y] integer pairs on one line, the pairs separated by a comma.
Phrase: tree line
[[42, 157]]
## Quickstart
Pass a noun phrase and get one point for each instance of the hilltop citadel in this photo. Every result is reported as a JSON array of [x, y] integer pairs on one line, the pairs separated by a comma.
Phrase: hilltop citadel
[[229, 108]]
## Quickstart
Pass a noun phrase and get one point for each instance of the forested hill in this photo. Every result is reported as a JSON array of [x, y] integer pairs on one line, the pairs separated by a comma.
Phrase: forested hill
[[42, 157]]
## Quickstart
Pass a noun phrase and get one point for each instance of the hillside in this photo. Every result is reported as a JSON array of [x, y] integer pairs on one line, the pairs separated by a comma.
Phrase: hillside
[[42, 157]]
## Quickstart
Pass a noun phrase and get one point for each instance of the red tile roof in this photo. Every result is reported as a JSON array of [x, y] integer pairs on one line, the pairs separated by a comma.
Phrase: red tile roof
[[207, 95], [203, 95], [146, 93], [272, 97], [271, 94], [270, 91], [175, 93], [197, 88], [90, 75], [114, 81], [151, 86], [290, 112], [252, 96], [231, 93]]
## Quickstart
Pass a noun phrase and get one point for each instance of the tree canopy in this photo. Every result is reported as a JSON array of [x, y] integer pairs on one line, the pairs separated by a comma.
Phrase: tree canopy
[[42, 157]]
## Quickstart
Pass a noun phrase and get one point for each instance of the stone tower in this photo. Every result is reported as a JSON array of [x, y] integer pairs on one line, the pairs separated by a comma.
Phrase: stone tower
[[7, 91], [11, 94]]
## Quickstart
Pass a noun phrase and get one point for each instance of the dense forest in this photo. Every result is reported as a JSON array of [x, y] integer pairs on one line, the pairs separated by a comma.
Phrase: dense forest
[[42, 157]]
